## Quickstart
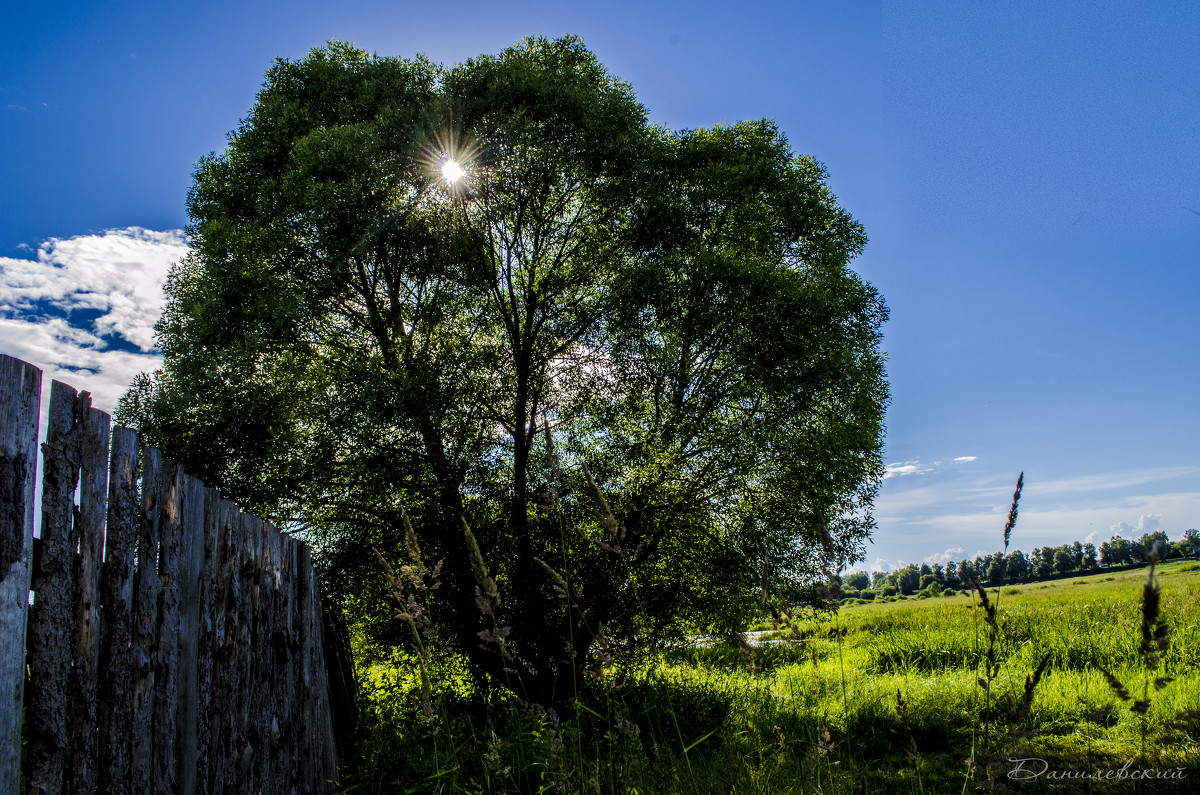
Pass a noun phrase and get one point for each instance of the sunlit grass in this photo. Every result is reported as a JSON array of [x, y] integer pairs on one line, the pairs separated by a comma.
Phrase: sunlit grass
[[824, 715]]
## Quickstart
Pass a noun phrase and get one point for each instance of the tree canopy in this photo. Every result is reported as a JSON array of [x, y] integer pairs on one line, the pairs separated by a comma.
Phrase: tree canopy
[[600, 312]]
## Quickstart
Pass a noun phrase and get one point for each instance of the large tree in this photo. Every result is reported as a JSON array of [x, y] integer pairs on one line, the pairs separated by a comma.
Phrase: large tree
[[355, 334]]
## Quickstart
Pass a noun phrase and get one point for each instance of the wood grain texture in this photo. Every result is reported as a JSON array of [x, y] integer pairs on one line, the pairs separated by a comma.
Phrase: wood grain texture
[[147, 588], [88, 538], [207, 651], [116, 663], [165, 726], [20, 405], [191, 566], [49, 645], [174, 643]]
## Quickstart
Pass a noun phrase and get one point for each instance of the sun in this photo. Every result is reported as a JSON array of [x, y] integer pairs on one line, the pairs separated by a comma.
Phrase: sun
[[451, 171], [451, 162]]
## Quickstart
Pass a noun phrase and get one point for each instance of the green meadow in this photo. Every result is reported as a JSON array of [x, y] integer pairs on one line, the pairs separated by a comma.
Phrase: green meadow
[[879, 697]]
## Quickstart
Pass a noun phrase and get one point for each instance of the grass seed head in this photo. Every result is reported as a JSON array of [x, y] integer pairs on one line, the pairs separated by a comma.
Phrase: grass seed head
[[1012, 511], [560, 585], [1155, 634], [485, 587], [410, 542], [603, 512]]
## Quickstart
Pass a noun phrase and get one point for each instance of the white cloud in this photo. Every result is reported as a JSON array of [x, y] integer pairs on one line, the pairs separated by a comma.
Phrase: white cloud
[[951, 554], [74, 357], [965, 459], [117, 279], [907, 468], [118, 274], [1147, 523]]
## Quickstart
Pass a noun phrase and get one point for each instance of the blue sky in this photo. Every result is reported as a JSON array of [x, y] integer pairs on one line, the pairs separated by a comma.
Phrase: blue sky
[[1027, 173]]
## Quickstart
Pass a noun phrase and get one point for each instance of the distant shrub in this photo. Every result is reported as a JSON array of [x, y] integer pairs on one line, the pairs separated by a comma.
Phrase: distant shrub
[[1012, 591], [889, 590]]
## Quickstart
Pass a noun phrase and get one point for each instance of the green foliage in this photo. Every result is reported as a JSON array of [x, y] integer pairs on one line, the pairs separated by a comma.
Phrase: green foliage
[[696, 720], [353, 336]]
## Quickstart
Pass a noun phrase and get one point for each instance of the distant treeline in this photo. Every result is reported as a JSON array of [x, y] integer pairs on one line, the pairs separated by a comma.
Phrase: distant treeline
[[1043, 563]]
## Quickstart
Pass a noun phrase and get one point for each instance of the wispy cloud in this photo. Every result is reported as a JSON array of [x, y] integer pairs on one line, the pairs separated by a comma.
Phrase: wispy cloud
[[1119, 479], [916, 467], [964, 507], [903, 468], [84, 309]]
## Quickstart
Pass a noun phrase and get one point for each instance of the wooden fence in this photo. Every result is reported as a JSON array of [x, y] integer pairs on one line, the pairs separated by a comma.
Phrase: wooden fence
[[173, 644]]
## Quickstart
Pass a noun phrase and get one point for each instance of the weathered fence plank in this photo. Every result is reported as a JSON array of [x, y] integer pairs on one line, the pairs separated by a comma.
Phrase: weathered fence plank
[[174, 644], [285, 653], [191, 565], [206, 708], [264, 614], [319, 764], [222, 746], [147, 587], [115, 718], [89, 530], [50, 635], [166, 669], [20, 404], [243, 768]]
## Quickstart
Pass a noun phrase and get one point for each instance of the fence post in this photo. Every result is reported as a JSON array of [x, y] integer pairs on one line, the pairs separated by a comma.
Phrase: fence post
[[191, 564], [20, 404], [93, 502], [286, 643], [166, 662], [191, 664], [49, 643], [146, 589], [222, 745], [207, 727], [116, 617]]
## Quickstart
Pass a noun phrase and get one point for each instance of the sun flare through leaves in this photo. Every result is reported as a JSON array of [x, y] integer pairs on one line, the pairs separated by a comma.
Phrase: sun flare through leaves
[[452, 172]]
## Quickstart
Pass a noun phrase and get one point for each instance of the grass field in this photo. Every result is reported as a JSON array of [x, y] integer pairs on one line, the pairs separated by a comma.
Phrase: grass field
[[882, 697]]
